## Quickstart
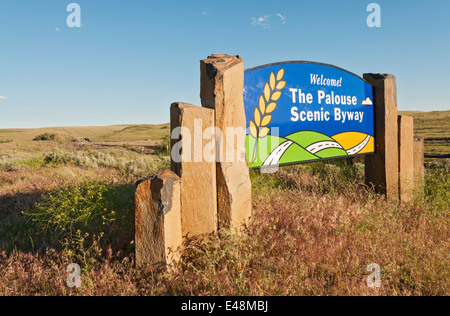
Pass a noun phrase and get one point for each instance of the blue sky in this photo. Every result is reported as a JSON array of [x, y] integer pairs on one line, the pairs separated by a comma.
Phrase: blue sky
[[131, 59]]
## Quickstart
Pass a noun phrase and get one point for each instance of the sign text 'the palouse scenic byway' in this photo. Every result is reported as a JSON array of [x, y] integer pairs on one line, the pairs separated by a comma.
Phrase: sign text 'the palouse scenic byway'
[[301, 112]]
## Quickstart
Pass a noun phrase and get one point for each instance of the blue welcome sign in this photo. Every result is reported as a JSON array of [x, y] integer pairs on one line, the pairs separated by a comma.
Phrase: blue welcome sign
[[301, 112]]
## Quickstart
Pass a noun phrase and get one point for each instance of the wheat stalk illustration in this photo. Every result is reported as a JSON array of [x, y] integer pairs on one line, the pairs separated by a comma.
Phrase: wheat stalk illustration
[[267, 104]]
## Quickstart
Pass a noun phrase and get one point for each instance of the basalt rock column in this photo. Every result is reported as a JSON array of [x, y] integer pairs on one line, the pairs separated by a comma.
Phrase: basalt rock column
[[158, 237], [382, 168], [221, 89], [406, 157], [419, 169], [193, 160]]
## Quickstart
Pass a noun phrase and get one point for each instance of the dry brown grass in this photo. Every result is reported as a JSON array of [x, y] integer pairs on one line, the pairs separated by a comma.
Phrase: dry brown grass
[[315, 230]]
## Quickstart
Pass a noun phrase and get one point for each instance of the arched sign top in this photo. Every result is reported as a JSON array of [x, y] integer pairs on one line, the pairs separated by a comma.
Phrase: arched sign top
[[306, 62], [302, 111]]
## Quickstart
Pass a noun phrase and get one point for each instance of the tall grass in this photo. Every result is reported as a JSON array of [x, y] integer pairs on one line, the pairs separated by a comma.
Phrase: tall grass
[[76, 207], [314, 231], [437, 188], [134, 165]]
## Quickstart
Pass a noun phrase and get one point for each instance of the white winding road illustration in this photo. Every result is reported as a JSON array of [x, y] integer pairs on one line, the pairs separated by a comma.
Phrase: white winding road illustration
[[274, 158], [359, 147], [316, 147], [277, 153]]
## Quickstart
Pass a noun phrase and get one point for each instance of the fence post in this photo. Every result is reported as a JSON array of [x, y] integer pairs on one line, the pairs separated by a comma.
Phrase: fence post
[[381, 169]]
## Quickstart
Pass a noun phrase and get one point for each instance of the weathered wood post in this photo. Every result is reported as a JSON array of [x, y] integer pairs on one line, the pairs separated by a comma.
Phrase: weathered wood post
[[221, 89], [381, 169], [406, 157]]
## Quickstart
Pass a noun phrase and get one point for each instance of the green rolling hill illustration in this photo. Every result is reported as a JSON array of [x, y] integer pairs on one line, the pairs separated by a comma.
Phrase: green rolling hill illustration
[[303, 146]]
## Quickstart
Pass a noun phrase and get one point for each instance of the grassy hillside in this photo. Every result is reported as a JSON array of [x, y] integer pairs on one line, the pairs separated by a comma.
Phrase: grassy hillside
[[136, 133], [315, 228], [430, 124], [435, 127], [427, 124], [76, 132], [113, 133]]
